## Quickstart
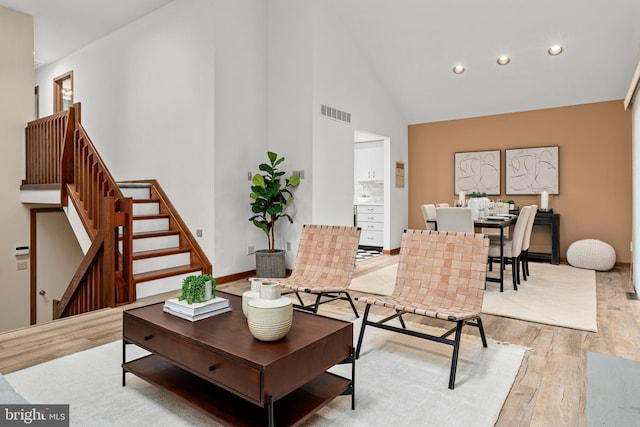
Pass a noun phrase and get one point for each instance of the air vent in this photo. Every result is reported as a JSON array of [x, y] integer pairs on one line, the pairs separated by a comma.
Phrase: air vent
[[332, 113]]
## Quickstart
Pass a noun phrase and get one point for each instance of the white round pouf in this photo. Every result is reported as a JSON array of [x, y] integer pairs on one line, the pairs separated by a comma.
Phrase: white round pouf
[[591, 254]]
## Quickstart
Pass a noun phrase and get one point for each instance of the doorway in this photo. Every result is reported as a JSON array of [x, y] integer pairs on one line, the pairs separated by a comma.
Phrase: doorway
[[55, 256], [371, 189]]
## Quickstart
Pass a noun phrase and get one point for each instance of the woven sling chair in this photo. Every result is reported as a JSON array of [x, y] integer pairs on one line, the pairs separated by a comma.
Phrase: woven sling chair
[[324, 265], [441, 275]]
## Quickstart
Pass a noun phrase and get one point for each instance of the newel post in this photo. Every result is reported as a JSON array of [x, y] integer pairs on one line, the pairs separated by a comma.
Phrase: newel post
[[66, 160]]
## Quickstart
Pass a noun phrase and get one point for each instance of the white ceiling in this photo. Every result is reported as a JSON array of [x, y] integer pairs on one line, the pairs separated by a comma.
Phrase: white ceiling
[[63, 26], [413, 45]]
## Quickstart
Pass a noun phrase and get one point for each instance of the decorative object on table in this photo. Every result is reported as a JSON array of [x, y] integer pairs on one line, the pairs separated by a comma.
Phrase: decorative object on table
[[591, 254], [478, 204], [198, 310], [198, 288], [477, 171], [271, 198], [461, 199], [197, 300], [251, 294], [364, 199], [544, 201], [532, 170], [512, 205], [270, 316]]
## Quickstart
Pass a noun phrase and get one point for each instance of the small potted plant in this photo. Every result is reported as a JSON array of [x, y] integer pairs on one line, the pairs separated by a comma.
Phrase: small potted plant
[[512, 204], [198, 288]]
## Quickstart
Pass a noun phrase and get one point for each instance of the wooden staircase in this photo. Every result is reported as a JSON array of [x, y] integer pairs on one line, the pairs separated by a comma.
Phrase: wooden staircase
[[161, 253], [140, 246]]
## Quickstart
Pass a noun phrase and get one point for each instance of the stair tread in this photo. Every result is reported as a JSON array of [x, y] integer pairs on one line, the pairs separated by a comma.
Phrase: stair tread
[[151, 216], [134, 184], [166, 272], [159, 252], [145, 201], [146, 234]]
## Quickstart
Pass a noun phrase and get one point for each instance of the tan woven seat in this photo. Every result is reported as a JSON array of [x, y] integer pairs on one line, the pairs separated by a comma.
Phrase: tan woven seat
[[324, 265], [441, 275]]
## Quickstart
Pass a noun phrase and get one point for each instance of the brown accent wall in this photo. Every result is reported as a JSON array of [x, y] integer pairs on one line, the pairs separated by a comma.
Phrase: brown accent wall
[[595, 167]]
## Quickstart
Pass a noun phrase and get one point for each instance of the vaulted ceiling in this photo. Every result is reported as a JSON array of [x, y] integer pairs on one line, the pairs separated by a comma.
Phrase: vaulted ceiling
[[413, 45]]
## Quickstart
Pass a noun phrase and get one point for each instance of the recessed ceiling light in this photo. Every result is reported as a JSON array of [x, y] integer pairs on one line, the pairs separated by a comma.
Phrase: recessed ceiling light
[[458, 69], [504, 60], [555, 50]]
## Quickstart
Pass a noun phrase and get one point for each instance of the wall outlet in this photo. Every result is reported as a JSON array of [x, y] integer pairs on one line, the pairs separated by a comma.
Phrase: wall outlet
[[23, 265], [250, 250], [199, 232]]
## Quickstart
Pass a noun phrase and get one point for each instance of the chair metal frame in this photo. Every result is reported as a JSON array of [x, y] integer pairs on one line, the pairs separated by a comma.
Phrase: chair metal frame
[[324, 265], [440, 275]]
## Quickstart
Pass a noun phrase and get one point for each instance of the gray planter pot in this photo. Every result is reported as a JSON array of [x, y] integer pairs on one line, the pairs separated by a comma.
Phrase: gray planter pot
[[271, 264]]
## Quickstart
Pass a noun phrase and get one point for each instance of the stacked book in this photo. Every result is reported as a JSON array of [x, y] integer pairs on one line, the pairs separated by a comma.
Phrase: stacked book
[[197, 310]]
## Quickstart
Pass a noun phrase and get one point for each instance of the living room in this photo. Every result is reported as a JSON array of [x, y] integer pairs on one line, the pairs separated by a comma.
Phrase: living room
[[211, 123]]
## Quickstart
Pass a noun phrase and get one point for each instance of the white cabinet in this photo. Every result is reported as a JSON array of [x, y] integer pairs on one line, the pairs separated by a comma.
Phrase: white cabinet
[[369, 161], [370, 219]]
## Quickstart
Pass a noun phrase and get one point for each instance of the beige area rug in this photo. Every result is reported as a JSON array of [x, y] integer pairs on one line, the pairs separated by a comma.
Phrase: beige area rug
[[400, 381], [380, 282], [558, 295]]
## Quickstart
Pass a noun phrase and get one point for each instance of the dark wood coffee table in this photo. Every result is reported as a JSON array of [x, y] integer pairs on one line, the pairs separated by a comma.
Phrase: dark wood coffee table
[[218, 367]]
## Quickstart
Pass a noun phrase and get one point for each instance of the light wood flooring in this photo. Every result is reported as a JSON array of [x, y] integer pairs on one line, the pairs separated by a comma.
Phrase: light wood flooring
[[550, 388]]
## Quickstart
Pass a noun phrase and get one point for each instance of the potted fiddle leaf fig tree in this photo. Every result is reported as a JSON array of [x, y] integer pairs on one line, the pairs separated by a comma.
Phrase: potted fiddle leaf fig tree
[[271, 196]]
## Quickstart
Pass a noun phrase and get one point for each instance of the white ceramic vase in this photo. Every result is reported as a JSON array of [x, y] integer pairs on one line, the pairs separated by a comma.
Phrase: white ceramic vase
[[270, 316], [252, 294]]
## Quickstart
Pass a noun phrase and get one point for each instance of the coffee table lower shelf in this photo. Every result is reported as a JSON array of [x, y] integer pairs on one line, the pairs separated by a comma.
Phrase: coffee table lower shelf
[[230, 409]]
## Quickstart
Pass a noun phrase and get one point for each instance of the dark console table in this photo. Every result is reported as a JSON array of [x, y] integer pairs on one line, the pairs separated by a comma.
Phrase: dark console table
[[552, 220]]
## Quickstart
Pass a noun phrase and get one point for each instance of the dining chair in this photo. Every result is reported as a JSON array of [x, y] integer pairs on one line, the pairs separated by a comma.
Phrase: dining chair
[[512, 248], [429, 215], [324, 265], [455, 219], [442, 205], [527, 241], [440, 275]]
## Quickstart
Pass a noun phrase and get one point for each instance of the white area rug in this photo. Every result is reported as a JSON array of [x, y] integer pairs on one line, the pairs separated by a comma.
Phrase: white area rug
[[400, 381], [558, 295], [380, 282]]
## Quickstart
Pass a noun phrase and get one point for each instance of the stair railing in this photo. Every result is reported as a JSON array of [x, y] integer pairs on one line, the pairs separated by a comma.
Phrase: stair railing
[[106, 214]]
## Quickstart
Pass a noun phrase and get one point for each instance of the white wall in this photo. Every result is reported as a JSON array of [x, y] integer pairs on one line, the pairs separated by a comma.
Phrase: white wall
[[16, 109], [240, 128], [344, 79], [312, 61], [290, 92], [194, 95], [635, 136], [180, 96]]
